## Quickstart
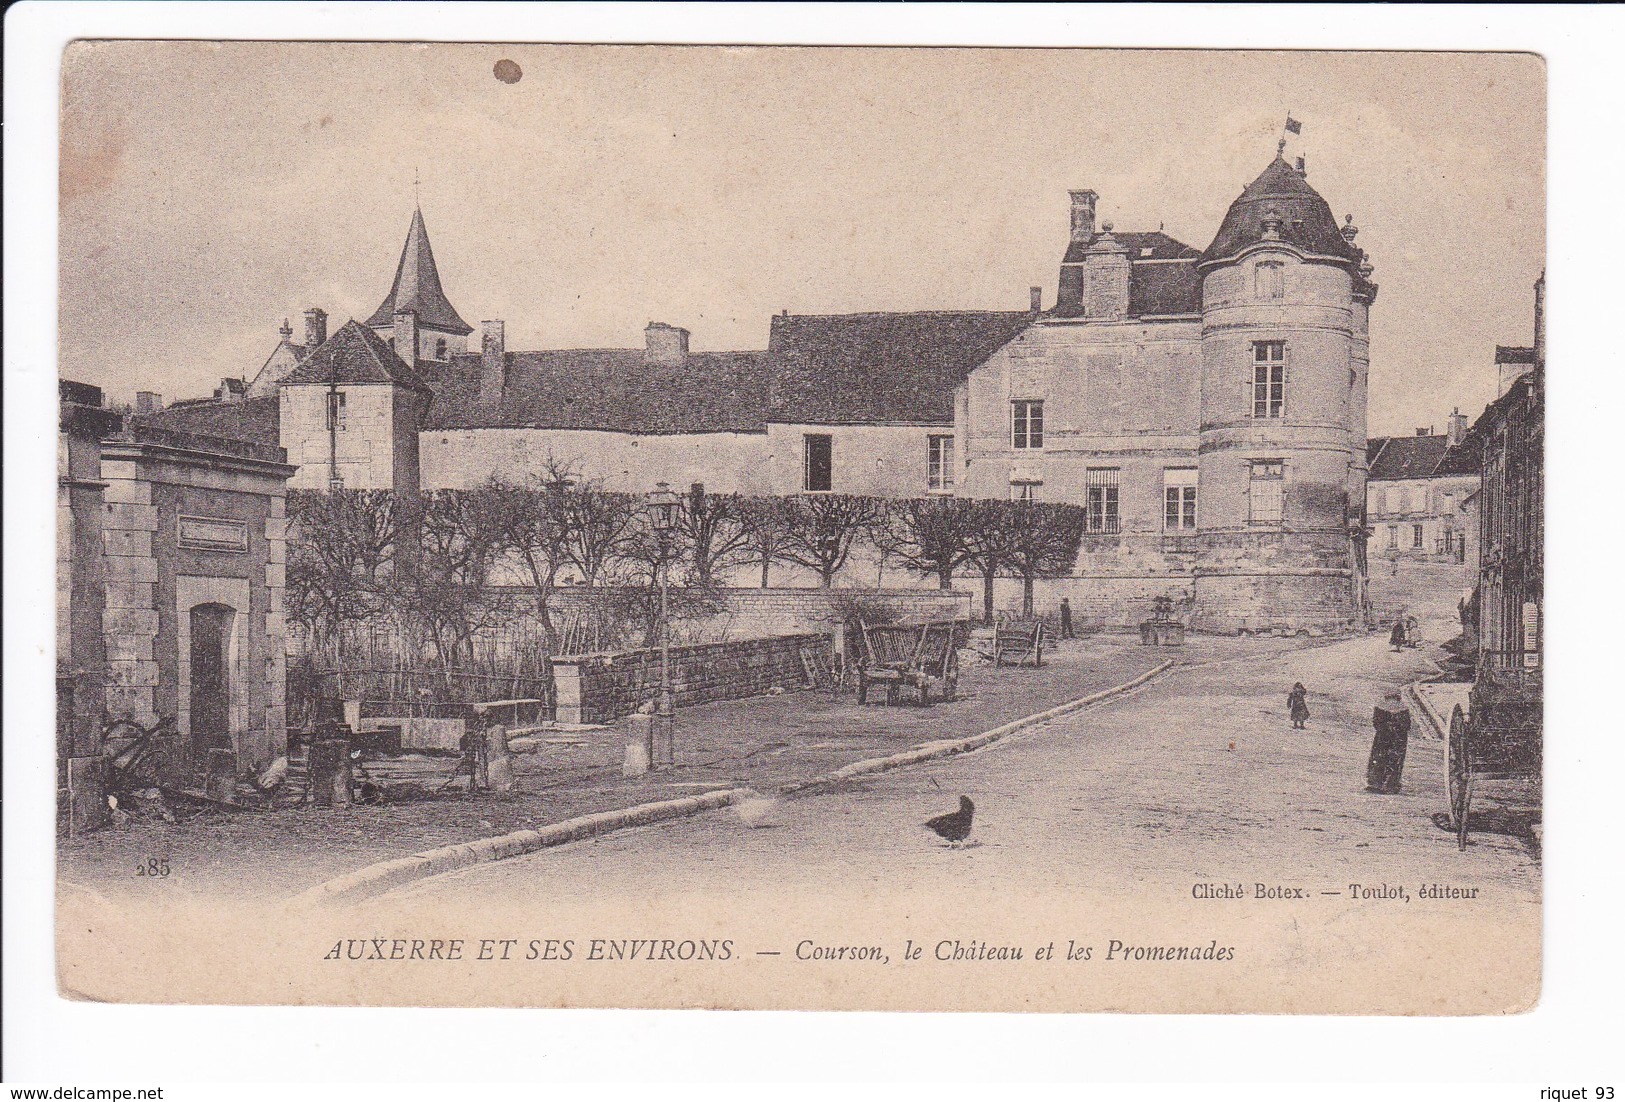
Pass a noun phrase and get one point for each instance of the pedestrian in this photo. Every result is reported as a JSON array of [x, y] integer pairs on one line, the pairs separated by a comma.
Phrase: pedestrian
[[1396, 638], [1297, 704], [1392, 722], [1066, 618], [1413, 632]]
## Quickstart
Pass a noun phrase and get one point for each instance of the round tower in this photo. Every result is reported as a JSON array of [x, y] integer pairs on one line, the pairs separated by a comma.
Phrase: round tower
[[1281, 469]]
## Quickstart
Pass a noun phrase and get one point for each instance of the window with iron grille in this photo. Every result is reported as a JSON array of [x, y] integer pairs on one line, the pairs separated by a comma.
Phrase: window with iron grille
[[1179, 499], [1269, 378], [1100, 502], [1264, 491], [1393, 537], [1416, 537], [940, 462], [1027, 423]]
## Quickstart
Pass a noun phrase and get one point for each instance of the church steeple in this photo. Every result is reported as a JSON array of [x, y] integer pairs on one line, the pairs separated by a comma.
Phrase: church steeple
[[417, 289]]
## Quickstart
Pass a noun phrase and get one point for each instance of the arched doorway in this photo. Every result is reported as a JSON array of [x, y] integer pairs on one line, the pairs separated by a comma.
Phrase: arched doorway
[[211, 626]]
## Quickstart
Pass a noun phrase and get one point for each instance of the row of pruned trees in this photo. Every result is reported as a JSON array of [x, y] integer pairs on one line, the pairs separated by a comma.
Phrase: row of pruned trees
[[451, 562]]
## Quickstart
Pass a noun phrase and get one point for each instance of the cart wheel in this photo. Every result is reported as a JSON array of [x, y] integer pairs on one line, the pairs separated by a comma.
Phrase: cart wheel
[[1460, 776]]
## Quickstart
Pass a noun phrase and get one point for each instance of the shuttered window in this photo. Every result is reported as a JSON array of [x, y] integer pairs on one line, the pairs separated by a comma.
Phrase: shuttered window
[[1264, 487]]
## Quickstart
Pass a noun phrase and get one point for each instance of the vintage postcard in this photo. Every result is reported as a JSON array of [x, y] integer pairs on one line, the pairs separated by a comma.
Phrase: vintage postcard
[[805, 528]]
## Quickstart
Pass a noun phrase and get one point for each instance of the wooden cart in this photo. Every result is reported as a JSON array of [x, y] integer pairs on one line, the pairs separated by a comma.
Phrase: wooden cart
[[1498, 736]]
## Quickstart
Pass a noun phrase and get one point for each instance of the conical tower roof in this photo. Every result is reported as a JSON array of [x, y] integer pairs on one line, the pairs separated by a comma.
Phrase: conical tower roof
[[1306, 220], [417, 287]]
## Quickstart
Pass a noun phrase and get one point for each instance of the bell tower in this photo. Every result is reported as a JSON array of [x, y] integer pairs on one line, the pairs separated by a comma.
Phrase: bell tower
[[416, 317]]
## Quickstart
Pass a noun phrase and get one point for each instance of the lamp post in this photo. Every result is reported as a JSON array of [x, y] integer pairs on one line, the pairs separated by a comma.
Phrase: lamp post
[[663, 504]]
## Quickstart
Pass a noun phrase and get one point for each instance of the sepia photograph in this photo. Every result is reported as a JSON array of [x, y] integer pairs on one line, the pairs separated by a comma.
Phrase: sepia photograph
[[803, 528]]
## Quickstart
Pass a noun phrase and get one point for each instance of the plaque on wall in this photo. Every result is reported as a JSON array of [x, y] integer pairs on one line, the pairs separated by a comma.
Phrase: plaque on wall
[[213, 534]]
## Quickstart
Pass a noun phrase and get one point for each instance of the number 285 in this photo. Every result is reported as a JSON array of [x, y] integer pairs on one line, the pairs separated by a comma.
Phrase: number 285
[[153, 866]]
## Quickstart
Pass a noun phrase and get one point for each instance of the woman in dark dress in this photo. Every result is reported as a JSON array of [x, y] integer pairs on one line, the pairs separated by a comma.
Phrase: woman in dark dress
[[1396, 638], [1297, 704], [1392, 721]]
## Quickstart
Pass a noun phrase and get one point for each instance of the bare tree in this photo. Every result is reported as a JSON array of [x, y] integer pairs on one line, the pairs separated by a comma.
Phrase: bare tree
[[932, 536], [713, 525], [1042, 542], [448, 596], [599, 525], [341, 548], [537, 529], [824, 528], [766, 522], [988, 545]]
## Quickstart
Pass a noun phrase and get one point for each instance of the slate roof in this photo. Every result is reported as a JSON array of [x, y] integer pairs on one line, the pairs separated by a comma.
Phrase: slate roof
[[615, 389], [1391, 458], [1306, 220], [1159, 244], [417, 287], [253, 420], [1162, 276], [355, 354], [835, 369]]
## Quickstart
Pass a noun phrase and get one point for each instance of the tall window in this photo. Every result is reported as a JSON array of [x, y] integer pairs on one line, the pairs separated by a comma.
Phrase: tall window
[[1264, 491], [1393, 537], [335, 411], [939, 464], [1416, 537], [1269, 378], [1027, 423], [818, 467], [1100, 504], [1269, 280], [1179, 499]]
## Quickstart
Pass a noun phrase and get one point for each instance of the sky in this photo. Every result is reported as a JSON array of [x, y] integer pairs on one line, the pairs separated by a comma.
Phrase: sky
[[210, 190]]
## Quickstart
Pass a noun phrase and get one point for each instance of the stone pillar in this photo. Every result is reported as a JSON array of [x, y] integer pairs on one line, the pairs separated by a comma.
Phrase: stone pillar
[[129, 528]]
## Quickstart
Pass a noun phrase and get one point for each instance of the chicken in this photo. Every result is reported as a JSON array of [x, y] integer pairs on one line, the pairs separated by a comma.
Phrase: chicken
[[955, 826]]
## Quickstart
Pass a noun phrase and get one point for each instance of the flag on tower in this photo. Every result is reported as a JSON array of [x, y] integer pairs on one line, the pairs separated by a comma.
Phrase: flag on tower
[[1293, 126]]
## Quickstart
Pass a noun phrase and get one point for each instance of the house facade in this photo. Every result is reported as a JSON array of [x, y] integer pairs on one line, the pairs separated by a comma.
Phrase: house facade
[[1207, 407], [1418, 491]]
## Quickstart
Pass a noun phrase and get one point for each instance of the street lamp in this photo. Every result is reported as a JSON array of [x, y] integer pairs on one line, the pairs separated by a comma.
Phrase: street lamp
[[663, 505]]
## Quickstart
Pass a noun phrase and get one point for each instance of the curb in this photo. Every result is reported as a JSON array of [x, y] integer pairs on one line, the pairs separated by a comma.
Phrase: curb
[[1440, 725], [949, 747], [384, 876]]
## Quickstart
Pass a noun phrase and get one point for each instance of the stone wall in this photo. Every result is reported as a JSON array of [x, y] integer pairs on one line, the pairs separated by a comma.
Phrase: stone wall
[[751, 613], [601, 688]]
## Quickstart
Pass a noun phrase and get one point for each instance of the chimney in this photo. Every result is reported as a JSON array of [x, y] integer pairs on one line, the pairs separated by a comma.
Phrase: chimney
[[665, 344], [493, 361], [230, 390], [1035, 299], [1424, 430], [286, 331], [406, 338], [315, 328], [1302, 170], [1083, 214], [1458, 427], [148, 401], [1105, 278]]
